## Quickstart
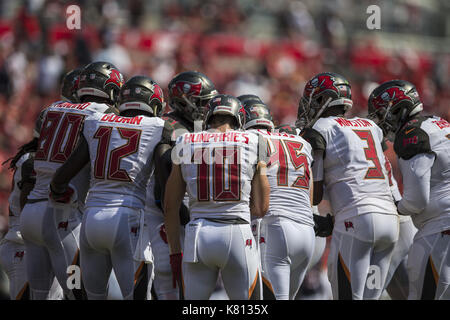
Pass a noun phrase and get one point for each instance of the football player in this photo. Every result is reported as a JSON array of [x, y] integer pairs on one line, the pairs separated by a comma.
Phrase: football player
[[397, 284], [349, 162], [222, 173], [119, 149], [257, 116], [12, 248], [421, 144], [287, 229], [189, 92], [51, 231]]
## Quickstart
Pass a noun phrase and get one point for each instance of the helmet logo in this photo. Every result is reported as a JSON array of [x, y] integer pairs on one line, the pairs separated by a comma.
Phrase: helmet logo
[[390, 97], [187, 88], [115, 77], [319, 84], [157, 93]]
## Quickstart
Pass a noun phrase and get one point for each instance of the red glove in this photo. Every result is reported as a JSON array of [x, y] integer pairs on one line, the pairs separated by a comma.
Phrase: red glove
[[63, 197], [175, 264]]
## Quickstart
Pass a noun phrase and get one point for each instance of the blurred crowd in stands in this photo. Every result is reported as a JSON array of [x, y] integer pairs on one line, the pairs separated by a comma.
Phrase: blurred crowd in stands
[[268, 48]]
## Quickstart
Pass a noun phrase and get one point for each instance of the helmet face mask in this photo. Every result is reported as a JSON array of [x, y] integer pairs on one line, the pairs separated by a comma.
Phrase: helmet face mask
[[189, 93], [392, 103], [323, 91]]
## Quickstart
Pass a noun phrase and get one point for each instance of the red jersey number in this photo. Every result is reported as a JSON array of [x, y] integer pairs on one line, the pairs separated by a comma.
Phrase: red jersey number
[[370, 152], [56, 145], [113, 170], [226, 179], [289, 150]]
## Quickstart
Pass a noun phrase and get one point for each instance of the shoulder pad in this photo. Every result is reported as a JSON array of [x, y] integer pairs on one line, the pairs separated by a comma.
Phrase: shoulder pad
[[287, 128], [176, 123], [167, 134], [411, 140], [314, 138]]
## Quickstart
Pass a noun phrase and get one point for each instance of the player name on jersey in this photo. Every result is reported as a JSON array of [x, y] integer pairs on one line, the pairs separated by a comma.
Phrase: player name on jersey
[[68, 105], [277, 134], [232, 136], [114, 118], [353, 123]]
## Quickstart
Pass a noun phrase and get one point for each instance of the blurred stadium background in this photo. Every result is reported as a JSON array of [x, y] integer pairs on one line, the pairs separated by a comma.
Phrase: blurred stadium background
[[265, 47]]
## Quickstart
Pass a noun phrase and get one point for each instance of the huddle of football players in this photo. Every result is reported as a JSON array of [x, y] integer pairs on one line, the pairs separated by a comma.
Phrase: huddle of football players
[[165, 204]]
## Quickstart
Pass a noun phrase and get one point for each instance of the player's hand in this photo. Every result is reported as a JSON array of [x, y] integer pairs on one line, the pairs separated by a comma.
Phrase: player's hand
[[175, 264], [323, 226], [62, 197], [398, 210]]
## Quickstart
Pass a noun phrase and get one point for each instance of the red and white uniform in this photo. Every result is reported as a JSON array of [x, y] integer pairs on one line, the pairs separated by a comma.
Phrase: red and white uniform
[[422, 146], [112, 232], [366, 220], [51, 234], [218, 169], [287, 229]]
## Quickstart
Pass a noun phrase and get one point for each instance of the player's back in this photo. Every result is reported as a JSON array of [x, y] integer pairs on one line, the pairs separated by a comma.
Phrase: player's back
[[61, 127], [218, 169], [288, 172], [121, 158], [355, 175], [429, 135]]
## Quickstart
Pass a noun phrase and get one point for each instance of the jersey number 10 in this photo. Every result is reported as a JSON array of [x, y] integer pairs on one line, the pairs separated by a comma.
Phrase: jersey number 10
[[226, 180]]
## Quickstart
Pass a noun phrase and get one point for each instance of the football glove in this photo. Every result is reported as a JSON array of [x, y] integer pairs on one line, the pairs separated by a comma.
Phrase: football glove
[[323, 226], [62, 197]]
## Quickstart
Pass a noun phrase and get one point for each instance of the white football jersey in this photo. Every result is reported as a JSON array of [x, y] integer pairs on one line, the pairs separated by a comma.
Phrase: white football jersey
[[218, 169], [355, 175], [288, 172], [430, 135], [59, 135], [121, 158]]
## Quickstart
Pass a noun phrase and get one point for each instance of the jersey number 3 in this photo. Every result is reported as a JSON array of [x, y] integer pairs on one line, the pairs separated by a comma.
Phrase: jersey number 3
[[371, 154]]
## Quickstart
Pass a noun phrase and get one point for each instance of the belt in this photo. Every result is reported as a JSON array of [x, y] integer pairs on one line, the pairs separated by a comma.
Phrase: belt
[[227, 220]]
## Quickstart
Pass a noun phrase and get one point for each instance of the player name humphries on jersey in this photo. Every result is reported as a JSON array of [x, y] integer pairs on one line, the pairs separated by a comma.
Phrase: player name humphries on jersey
[[213, 147], [232, 136], [353, 123], [118, 119]]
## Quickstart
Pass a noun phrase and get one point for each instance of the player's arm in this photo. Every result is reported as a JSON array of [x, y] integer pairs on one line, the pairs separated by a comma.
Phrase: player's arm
[[319, 145], [175, 190], [392, 182], [416, 174], [412, 146], [317, 173], [163, 165], [28, 179], [77, 160], [260, 193]]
